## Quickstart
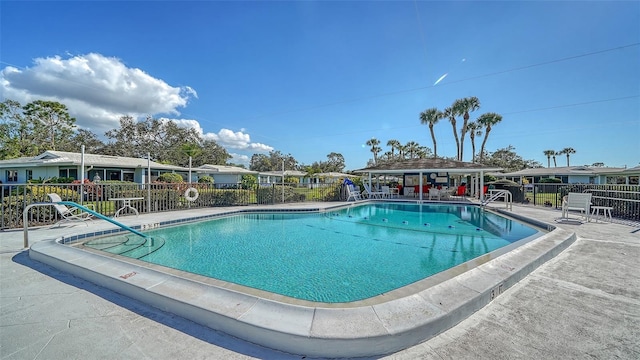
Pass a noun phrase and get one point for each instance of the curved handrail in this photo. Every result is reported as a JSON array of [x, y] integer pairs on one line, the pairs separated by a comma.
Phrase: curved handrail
[[97, 214], [25, 221], [495, 194]]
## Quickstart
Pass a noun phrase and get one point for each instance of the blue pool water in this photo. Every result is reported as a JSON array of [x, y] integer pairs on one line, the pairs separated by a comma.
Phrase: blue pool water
[[338, 256]]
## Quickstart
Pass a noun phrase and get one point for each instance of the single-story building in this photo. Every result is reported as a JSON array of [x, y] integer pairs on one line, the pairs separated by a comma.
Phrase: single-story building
[[420, 173], [575, 175], [329, 177], [52, 164], [275, 177], [224, 175]]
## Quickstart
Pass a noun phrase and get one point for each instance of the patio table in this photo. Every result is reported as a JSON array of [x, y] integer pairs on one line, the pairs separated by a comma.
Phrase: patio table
[[126, 204]]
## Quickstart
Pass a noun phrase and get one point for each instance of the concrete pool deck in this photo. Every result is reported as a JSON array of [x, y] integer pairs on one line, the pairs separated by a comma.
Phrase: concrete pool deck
[[585, 302]]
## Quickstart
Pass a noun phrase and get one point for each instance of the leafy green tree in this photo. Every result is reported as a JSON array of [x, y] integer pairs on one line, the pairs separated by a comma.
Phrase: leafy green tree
[[211, 153], [272, 162], [487, 120], [549, 154], [51, 118], [335, 162], [431, 117], [92, 145], [260, 162], [162, 139], [127, 140], [17, 136], [249, 181], [507, 159], [464, 107]]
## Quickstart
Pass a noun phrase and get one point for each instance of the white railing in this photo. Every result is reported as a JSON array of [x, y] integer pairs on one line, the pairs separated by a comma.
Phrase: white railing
[[499, 194]]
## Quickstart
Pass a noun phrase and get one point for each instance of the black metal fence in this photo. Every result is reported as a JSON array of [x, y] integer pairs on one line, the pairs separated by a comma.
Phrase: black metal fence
[[150, 198], [624, 199]]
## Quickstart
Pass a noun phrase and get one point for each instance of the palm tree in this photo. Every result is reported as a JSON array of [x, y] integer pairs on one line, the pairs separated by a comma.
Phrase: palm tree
[[464, 106], [568, 151], [422, 152], [555, 164], [394, 145], [475, 129], [412, 148], [451, 113], [549, 154], [375, 149], [431, 117], [401, 151], [487, 120]]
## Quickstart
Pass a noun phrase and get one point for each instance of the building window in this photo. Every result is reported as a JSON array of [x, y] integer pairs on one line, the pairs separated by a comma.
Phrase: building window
[[29, 174], [68, 173], [127, 176], [113, 175], [12, 175]]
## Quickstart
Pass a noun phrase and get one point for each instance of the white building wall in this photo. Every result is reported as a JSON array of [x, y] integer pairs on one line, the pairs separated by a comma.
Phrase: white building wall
[[220, 179]]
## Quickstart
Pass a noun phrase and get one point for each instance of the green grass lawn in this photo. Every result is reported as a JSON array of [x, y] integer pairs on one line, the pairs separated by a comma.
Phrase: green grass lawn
[[541, 198]]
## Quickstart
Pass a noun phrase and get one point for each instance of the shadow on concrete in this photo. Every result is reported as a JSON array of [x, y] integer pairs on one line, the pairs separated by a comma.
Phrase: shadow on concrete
[[165, 318]]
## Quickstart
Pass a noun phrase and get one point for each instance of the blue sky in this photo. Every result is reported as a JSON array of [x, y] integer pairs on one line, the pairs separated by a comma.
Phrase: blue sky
[[310, 78]]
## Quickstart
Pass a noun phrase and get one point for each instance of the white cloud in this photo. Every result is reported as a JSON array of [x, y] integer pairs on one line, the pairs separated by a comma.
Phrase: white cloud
[[97, 90], [237, 140], [239, 159]]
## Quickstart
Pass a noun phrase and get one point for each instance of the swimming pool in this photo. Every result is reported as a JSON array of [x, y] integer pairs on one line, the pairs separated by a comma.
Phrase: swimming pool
[[374, 326], [338, 256]]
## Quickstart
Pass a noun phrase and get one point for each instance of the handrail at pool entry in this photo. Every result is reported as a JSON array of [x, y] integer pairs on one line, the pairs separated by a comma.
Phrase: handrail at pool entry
[[495, 194], [74, 204]]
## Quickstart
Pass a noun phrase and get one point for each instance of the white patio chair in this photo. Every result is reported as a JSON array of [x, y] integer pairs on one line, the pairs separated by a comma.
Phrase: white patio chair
[[353, 193], [577, 201], [69, 214], [434, 193], [371, 194]]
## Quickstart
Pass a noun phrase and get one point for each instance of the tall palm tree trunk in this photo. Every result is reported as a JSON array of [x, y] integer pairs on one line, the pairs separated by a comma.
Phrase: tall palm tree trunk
[[433, 137]]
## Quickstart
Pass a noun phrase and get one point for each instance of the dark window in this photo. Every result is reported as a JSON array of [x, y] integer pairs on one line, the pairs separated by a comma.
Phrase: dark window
[[68, 173], [12, 176], [29, 174], [127, 176], [113, 175]]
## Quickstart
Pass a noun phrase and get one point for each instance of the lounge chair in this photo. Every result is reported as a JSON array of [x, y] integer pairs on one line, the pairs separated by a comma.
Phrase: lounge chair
[[386, 192], [444, 194], [434, 193], [69, 214], [353, 193], [577, 201], [372, 194]]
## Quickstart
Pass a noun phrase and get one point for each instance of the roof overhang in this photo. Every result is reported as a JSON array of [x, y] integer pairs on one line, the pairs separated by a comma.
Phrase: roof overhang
[[428, 165]]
